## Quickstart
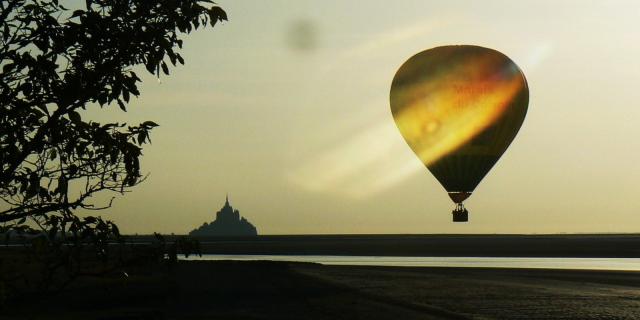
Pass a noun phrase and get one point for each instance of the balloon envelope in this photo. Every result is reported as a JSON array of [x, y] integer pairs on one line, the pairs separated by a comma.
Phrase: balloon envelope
[[459, 108]]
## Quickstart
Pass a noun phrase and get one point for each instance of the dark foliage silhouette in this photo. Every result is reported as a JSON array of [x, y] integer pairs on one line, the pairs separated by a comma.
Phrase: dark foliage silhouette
[[56, 63]]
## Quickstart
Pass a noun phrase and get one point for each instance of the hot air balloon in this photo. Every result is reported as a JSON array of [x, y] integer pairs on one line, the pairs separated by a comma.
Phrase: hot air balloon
[[459, 108]]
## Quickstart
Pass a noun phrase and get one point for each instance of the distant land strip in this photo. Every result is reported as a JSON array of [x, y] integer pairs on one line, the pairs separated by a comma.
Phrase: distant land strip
[[443, 245]]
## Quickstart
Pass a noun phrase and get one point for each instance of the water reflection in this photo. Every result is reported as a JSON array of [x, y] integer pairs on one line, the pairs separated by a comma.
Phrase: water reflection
[[623, 264]]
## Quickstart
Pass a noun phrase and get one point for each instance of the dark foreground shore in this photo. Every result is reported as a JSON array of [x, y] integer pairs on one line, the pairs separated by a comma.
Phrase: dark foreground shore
[[273, 290]]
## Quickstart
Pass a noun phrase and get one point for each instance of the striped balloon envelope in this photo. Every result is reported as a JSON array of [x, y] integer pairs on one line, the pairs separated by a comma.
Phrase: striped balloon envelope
[[459, 108]]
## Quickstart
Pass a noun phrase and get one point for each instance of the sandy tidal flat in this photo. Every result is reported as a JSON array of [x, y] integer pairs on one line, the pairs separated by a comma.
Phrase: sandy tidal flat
[[496, 293], [281, 290]]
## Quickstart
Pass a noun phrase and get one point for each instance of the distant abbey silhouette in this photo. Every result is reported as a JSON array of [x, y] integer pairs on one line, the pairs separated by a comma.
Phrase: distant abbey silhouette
[[227, 223]]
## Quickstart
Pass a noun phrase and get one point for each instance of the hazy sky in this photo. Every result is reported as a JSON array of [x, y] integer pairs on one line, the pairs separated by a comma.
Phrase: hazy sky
[[286, 108]]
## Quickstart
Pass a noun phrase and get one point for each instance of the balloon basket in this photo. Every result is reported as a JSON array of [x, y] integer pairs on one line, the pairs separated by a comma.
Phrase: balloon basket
[[460, 213]]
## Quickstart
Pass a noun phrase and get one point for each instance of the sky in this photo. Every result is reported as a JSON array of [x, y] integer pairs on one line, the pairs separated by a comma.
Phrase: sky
[[285, 107]]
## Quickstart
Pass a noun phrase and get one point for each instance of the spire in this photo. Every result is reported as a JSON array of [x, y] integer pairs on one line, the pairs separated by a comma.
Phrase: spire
[[226, 202]]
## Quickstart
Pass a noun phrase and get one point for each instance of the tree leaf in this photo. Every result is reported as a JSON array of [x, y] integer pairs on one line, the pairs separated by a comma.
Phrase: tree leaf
[[75, 117], [77, 13], [122, 106], [149, 124], [165, 69], [8, 67], [125, 95], [151, 67], [142, 136]]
